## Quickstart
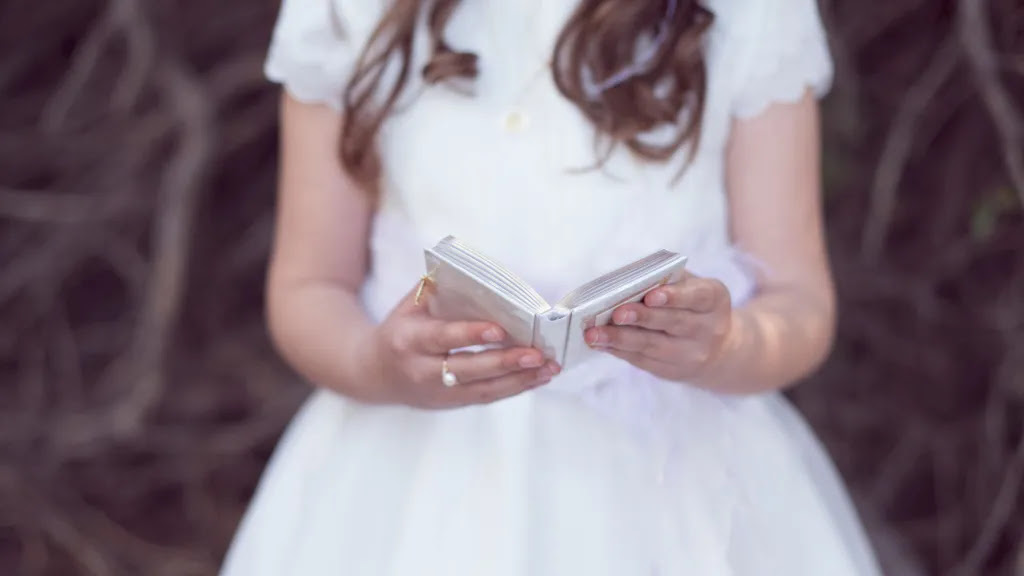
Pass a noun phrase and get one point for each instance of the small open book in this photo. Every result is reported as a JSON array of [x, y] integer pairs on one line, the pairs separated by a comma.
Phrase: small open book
[[470, 286]]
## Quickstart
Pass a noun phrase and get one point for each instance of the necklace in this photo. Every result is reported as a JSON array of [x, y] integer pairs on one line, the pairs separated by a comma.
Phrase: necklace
[[515, 119]]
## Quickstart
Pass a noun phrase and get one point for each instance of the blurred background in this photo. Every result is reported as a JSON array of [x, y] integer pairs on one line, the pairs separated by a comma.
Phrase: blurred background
[[140, 399]]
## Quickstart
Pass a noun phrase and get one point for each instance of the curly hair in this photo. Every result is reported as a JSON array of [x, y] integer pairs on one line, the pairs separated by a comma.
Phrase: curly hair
[[597, 44]]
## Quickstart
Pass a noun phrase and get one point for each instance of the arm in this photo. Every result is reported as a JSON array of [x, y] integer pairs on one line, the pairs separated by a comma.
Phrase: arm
[[786, 331], [319, 257], [688, 332], [317, 267]]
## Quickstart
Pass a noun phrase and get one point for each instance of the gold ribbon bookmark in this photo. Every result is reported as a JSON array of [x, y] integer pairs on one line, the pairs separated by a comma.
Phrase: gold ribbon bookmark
[[424, 280]]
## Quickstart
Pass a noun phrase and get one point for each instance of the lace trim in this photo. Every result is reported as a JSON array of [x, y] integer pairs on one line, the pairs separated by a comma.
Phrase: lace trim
[[306, 79]]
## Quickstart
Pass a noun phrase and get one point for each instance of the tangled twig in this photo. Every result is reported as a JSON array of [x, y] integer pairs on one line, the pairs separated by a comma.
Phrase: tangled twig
[[898, 144], [141, 396], [977, 40]]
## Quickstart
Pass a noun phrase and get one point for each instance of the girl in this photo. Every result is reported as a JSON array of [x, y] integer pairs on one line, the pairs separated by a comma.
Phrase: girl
[[565, 138]]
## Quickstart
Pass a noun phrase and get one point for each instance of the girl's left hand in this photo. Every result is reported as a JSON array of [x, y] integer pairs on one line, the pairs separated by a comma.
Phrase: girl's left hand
[[677, 332]]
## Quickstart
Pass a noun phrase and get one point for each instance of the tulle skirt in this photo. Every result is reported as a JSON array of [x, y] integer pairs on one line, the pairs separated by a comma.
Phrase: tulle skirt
[[607, 471]]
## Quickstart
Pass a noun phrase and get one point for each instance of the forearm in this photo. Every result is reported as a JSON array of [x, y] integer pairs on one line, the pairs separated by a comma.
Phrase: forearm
[[321, 330], [776, 339]]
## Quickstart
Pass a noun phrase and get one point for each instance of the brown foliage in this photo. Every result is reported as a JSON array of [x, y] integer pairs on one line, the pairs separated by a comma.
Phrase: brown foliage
[[140, 398]]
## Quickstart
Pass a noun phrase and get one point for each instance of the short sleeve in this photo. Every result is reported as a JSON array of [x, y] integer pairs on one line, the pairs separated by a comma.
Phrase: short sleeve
[[316, 44], [785, 53]]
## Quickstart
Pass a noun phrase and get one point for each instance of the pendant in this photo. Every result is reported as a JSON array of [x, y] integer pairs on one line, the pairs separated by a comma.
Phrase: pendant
[[515, 121]]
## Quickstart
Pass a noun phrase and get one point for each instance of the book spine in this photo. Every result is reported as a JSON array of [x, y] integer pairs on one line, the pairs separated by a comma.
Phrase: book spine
[[550, 332]]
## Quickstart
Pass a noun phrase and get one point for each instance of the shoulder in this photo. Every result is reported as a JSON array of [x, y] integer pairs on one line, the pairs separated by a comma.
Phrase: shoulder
[[337, 15], [760, 19], [316, 43], [771, 50]]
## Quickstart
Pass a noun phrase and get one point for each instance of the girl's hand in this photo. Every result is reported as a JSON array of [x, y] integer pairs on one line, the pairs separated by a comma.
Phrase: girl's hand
[[676, 333], [407, 352]]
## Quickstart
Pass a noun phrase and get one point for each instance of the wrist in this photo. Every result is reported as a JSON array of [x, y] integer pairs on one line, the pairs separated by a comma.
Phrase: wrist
[[364, 376], [721, 366]]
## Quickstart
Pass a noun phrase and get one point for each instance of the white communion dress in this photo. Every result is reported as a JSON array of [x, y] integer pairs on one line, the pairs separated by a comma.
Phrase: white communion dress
[[608, 470]]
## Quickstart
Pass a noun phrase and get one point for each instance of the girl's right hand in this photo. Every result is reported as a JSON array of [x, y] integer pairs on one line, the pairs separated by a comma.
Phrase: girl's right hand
[[408, 350]]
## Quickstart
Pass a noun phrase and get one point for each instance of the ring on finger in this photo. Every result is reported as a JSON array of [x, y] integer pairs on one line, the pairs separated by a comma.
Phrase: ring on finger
[[447, 377]]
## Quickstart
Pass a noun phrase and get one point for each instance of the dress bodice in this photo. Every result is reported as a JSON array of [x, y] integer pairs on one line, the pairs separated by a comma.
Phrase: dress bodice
[[511, 169]]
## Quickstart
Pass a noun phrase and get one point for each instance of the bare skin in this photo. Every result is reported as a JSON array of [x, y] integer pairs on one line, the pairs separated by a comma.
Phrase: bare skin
[[689, 332], [686, 331]]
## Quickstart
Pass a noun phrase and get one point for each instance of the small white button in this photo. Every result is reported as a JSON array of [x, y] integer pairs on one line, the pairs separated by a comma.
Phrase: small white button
[[515, 121]]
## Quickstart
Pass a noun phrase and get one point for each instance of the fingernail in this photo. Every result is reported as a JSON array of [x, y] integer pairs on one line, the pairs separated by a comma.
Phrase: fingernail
[[596, 338], [546, 373], [657, 299], [493, 335], [628, 317], [530, 361]]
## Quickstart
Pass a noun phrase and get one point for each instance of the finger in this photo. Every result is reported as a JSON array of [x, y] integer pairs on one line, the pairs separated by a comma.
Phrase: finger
[[650, 343], [470, 368], [669, 320], [439, 337], [693, 293], [495, 389]]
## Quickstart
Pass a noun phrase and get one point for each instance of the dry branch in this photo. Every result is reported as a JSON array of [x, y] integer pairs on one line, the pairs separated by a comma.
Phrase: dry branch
[[977, 40], [898, 146], [136, 206]]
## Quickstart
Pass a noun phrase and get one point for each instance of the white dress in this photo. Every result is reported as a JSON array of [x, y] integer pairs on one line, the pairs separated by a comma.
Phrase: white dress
[[607, 470]]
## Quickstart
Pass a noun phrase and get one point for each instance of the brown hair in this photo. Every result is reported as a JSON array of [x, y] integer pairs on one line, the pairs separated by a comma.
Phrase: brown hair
[[598, 41]]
